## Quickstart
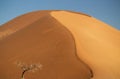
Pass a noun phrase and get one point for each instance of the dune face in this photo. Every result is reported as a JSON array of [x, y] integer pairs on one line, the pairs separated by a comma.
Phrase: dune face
[[41, 40], [69, 45], [20, 23], [97, 43]]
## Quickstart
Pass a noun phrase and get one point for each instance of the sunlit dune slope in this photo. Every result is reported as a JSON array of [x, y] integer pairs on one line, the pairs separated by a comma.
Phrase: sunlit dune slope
[[97, 43], [37, 37]]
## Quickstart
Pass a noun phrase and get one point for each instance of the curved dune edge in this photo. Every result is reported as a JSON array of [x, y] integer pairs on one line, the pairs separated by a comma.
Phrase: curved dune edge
[[41, 42], [98, 44]]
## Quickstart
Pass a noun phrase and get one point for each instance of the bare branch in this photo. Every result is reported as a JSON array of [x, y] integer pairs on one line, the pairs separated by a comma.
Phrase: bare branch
[[28, 67]]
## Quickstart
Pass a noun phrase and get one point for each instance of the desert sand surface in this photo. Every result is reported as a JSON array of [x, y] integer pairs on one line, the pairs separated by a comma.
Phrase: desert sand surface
[[69, 45], [39, 38], [20, 22], [97, 43]]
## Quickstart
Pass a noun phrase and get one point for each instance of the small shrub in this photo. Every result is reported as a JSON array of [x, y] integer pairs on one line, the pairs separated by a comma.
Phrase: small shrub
[[28, 68]]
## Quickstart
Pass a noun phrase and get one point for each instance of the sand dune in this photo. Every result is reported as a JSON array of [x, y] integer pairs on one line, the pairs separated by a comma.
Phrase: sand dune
[[98, 44], [43, 41], [69, 45], [20, 23]]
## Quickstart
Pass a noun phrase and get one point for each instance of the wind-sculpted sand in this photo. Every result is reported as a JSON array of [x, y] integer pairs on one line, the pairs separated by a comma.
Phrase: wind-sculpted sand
[[69, 45], [97, 43]]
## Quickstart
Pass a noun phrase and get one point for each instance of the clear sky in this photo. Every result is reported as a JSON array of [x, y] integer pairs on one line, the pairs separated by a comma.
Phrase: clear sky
[[106, 10]]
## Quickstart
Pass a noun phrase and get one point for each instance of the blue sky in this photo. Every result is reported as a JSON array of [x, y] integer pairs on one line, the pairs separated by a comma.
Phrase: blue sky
[[106, 10]]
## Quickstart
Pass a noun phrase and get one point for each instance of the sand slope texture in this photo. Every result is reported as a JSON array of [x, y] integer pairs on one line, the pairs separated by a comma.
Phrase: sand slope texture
[[69, 45]]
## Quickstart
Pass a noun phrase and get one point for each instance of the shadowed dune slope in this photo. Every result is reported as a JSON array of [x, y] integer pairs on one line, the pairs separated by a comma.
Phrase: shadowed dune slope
[[39, 38], [20, 22]]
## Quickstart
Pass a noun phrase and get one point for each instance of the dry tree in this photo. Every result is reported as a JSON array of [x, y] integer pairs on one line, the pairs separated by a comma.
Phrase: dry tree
[[28, 67]]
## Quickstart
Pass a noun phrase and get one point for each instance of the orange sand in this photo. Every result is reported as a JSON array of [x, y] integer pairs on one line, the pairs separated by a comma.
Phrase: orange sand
[[44, 41], [98, 44], [69, 45]]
